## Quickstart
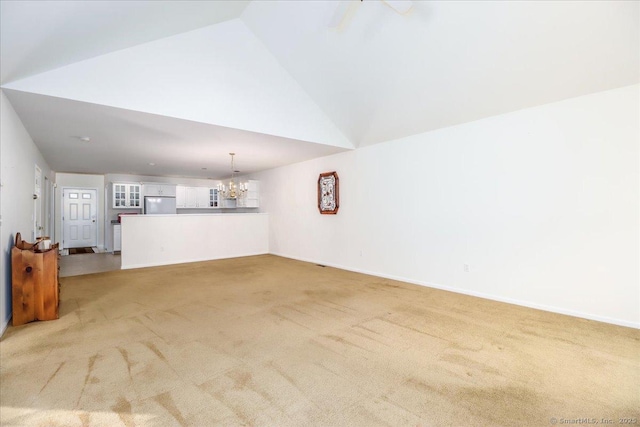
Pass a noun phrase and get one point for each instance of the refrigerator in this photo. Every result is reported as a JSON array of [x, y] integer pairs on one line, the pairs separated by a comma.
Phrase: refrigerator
[[159, 205]]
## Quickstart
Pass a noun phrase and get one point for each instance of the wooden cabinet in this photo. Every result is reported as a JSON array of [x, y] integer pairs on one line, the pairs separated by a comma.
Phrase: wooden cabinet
[[34, 283], [126, 196], [155, 190]]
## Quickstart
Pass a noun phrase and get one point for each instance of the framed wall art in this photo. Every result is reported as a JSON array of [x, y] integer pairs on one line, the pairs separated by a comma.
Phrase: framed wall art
[[328, 193]]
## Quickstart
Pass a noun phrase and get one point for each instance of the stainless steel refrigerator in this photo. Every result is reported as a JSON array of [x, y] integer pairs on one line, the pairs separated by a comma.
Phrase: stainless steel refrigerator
[[159, 205]]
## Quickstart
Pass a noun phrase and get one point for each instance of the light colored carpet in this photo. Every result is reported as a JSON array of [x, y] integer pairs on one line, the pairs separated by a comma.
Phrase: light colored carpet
[[269, 341]]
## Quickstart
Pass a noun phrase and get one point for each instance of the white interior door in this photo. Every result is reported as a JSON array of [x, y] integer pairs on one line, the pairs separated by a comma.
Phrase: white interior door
[[79, 226]]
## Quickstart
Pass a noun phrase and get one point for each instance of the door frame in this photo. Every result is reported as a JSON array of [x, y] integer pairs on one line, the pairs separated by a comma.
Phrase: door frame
[[48, 211], [74, 187], [37, 216]]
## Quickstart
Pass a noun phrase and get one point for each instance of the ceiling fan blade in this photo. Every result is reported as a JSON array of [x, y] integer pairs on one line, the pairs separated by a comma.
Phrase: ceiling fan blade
[[400, 6], [339, 14]]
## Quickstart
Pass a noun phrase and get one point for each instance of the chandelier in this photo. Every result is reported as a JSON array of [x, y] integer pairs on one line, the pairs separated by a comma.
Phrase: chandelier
[[232, 190]]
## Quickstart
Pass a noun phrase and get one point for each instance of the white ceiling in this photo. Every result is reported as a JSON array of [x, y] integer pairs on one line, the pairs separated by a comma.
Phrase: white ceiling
[[277, 85], [37, 36], [124, 141], [383, 76]]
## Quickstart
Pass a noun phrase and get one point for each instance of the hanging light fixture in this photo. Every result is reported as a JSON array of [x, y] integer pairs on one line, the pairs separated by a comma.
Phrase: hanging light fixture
[[232, 190]]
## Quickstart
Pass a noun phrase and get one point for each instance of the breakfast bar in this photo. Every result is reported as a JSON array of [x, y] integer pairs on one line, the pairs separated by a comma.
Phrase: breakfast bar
[[152, 240]]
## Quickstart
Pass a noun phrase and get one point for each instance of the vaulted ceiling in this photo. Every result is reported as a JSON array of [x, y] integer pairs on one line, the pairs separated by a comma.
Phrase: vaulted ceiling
[[181, 84]]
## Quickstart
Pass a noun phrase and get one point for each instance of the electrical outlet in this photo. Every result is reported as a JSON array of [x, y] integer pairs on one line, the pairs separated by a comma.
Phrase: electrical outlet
[[465, 267]]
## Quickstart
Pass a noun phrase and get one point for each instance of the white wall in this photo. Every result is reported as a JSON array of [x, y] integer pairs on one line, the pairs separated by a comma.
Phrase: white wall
[[18, 156], [542, 204], [150, 240], [70, 180]]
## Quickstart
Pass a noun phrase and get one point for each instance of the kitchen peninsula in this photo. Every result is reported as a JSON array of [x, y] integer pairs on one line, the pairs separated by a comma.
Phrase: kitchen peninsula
[[152, 240]]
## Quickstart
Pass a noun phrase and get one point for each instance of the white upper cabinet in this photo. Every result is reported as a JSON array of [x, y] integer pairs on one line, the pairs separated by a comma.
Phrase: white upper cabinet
[[156, 190], [181, 196], [251, 199], [214, 200], [253, 194], [126, 195], [202, 197], [129, 196], [191, 197], [196, 197]]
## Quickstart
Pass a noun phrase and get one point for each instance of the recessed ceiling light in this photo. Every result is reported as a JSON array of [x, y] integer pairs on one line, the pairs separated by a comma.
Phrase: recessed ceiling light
[[84, 138], [151, 164]]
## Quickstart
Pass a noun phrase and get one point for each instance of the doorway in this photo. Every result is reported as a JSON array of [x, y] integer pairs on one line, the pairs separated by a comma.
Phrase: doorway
[[79, 217]]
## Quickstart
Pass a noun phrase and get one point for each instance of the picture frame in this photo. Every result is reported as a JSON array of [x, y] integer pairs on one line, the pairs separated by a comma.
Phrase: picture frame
[[328, 193]]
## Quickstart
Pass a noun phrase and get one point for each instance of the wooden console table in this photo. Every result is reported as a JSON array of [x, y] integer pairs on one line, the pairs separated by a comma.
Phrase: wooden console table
[[34, 282]]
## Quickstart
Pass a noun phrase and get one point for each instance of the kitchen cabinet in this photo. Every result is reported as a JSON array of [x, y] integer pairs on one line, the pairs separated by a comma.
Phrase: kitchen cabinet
[[213, 198], [117, 238], [251, 198], [229, 203], [196, 198], [126, 195], [191, 197], [130, 195], [181, 196], [202, 197], [155, 190]]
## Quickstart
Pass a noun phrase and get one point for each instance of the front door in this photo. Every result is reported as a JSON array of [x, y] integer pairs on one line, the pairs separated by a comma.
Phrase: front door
[[79, 226]]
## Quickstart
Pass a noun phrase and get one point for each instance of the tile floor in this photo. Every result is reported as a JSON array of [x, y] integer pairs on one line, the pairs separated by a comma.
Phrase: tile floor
[[76, 265]]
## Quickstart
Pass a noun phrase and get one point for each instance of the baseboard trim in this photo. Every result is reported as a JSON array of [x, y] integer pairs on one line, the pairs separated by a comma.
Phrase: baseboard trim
[[5, 325], [543, 307]]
